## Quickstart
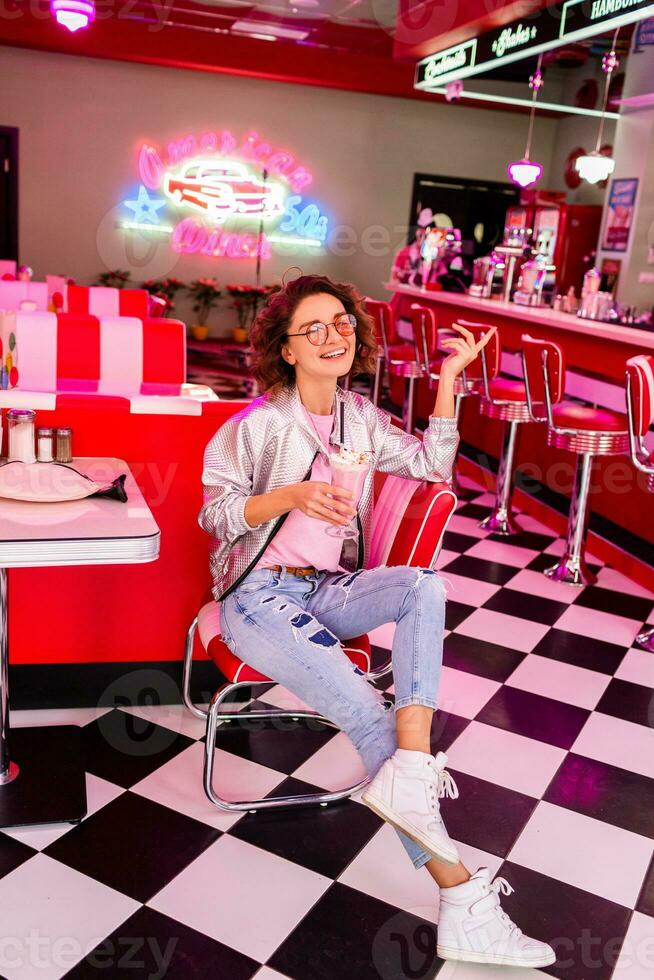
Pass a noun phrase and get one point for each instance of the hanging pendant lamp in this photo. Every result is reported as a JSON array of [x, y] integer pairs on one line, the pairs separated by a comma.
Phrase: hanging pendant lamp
[[525, 172], [596, 166], [74, 15]]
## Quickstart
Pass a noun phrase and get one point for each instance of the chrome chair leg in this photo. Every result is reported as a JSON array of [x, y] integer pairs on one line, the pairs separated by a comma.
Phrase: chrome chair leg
[[645, 640], [186, 672], [571, 566], [215, 715], [463, 493], [500, 520], [408, 405]]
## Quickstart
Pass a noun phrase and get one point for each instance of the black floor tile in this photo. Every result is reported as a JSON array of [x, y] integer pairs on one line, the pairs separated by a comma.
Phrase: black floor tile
[[445, 729], [534, 716], [616, 796], [580, 651], [455, 613], [526, 539], [541, 562], [532, 607], [645, 903], [150, 945], [282, 745], [618, 603], [124, 748], [585, 931], [349, 935], [480, 657], [633, 702], [482, 570], [133, 845], [485, 815], [453, 541], [476, 511], [13, 853], [323, 839]]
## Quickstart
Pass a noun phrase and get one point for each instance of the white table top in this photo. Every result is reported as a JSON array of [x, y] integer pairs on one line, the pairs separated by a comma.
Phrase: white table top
[[538, 315], [92, 531]]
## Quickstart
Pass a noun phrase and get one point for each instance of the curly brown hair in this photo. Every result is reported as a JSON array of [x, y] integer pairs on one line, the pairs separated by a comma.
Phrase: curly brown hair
[[268, 332]]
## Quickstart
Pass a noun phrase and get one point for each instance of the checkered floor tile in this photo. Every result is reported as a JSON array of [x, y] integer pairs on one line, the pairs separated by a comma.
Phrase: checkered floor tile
[[546, 714]]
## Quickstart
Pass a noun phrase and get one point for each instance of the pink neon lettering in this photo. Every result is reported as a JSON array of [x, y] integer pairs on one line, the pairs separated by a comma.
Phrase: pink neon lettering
[[280, 162], [227, 142], [190, 236], [151, 168], [300, 179], [209, 142]]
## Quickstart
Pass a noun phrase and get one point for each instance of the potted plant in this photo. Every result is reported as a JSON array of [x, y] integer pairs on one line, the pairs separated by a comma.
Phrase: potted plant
[[165, 289], [205, 295], [246, 301], [116, 278]]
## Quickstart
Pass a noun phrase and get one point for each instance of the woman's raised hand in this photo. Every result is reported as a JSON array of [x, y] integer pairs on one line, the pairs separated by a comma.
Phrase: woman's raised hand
[[463, 349]]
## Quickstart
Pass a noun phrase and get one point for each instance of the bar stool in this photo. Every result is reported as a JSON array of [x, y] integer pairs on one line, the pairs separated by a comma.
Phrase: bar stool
[[425, 355], [409, 520], [395, 349], [588, 432], [640, 416], [504, 399]]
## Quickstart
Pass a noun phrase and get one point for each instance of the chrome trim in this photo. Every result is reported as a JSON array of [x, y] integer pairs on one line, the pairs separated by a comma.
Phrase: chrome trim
[[8, 769], [501, 520], [530, 404], [639, 455], [186, 672], [80, 551], [571, 566], [645, 640]]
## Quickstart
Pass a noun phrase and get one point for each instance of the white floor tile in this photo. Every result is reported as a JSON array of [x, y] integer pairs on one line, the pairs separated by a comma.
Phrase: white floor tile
[[509, 631], [464, 694], [584, 852], [598, 624], [472, 971], [35, 717], [618, 743], [560, 681], [636, 959], [467, 525], [502, 552], [382, 636], [336, 765], [637, 667], [265, 973], [383, 869], [610, 578], [178, 784], [445, 557], [535, 583], [54, 916], [262, 898], [470, 591], [505, 759]]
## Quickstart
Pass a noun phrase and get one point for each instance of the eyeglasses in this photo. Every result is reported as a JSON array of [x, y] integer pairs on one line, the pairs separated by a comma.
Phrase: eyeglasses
[[317, 333]]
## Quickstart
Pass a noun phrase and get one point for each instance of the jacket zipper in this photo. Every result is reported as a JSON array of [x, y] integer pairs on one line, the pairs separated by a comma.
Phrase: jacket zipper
[[272, 534]]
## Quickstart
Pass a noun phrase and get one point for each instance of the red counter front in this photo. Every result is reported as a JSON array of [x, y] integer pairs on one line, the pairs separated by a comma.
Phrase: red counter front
[[595, 356]]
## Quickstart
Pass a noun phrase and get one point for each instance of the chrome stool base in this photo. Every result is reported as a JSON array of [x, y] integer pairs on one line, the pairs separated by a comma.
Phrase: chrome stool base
[[572, 570], [499, 521], [645, 640], [9, 775]]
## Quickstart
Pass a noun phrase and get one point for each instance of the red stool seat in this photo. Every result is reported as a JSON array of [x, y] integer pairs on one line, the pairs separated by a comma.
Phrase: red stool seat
[[402, 352], [235, 670], [569, 415], [505, 389]]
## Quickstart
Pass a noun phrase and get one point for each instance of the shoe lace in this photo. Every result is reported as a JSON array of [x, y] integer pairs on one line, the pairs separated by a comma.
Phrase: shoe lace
[[500, 886], [442, 785]]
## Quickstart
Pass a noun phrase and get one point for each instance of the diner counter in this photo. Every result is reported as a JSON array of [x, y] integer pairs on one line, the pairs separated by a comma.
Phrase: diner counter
[[595, 355]]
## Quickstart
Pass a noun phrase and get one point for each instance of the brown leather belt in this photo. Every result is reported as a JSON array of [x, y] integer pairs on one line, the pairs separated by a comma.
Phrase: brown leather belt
[[294, 569]]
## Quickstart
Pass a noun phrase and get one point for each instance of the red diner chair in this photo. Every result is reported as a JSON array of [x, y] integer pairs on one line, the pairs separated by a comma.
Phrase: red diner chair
[[504, 399], [409, 520], [581, 429], [640, 417], [394, 349], [425, 356]]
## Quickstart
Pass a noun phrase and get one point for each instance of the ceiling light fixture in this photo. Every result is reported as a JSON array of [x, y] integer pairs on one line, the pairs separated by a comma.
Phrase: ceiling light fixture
[[525, 172], [73, 14], [595, 166]]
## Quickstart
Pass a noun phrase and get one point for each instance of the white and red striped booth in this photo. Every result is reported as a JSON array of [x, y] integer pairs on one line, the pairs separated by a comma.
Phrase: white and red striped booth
[[110, 355], [104, 301]]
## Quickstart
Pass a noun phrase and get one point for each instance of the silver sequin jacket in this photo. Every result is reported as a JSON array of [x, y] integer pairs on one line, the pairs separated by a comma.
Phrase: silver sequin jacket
[[270, 444]]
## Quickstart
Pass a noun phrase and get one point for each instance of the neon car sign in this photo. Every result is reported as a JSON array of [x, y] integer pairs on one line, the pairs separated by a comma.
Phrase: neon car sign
[[212, 192]]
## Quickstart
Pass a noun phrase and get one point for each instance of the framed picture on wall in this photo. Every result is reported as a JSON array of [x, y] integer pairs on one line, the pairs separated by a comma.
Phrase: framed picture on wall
[[619, 214]]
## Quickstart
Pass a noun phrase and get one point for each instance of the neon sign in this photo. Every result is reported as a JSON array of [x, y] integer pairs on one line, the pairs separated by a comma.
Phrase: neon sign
[[214, 193]]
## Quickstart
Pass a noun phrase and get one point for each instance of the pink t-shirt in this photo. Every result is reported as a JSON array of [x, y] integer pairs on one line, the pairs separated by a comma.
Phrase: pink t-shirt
[[301, 540]]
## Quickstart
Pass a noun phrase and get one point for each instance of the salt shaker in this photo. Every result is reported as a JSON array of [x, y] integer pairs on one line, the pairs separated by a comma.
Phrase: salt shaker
[[20, 426], [64, 452], [45, 445]]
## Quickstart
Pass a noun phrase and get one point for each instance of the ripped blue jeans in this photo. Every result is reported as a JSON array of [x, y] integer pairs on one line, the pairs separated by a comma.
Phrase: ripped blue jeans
[[289, 628]]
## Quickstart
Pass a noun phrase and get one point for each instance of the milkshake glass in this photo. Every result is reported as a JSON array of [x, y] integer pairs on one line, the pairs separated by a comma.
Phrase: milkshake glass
[[349, 470]]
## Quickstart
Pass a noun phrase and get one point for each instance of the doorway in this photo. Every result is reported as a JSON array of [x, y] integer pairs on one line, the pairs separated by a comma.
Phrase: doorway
[[477, 207], [8, 192]]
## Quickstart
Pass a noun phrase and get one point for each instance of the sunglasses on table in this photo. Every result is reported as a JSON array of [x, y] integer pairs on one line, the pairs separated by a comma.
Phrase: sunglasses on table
[[317, 333]]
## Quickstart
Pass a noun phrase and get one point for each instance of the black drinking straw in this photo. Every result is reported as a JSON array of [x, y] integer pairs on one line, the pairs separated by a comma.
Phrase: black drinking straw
[[341, 407]]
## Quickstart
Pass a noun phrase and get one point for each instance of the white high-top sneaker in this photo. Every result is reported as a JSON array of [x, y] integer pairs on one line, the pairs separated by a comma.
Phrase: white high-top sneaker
[[405, 792], [473, 926]]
